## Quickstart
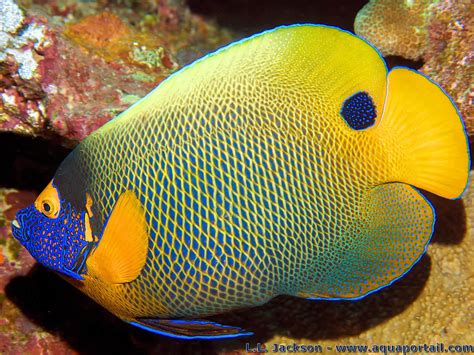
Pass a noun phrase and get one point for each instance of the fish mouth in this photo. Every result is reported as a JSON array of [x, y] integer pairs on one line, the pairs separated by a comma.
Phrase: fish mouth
[[16, 224], [18, 232]]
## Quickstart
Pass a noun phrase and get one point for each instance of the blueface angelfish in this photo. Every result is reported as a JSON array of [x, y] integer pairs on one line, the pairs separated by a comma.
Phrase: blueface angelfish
[[285, 163]]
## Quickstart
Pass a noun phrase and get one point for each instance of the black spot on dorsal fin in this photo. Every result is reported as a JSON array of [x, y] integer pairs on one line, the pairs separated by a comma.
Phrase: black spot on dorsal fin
[[359, 111]]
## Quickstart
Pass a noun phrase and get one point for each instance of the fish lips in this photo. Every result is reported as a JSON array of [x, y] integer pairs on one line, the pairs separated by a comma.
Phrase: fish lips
[[18, 230]]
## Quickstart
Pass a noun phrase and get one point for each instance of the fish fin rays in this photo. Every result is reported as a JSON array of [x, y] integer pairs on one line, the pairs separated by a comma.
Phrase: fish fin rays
[[425, 128], [389, 237], [189, 329], [122, 249]]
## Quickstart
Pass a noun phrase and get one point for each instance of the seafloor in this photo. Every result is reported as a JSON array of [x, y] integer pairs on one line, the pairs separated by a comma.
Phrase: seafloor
[[67, 67]]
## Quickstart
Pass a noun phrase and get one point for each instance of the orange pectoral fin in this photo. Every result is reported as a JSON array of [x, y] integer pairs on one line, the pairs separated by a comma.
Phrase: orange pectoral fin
[[122, 250]]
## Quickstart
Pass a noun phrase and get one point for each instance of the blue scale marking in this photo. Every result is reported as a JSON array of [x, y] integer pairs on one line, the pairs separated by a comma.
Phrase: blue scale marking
[[211, 185]]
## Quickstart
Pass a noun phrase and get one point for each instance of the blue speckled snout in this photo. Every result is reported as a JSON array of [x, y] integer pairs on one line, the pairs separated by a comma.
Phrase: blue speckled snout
[[57, 243], [40, 236], [21, 225]]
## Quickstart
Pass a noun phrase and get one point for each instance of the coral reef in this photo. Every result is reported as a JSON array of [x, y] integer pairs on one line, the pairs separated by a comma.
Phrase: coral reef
[[20, 46], [395, 27], [441, 33], [106, 35], [22, 42], [66, 68]]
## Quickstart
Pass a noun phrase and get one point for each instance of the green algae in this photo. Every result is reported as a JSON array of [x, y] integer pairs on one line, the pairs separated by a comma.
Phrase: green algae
[[141, 76], [13, 249], [152, 58], [10, 248], [130, 98]]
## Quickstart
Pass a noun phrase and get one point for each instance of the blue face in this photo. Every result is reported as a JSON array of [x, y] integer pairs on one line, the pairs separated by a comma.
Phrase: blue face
[[54, 233]]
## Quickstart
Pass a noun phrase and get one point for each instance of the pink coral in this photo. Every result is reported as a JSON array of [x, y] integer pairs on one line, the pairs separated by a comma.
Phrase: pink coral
[[87, 71]]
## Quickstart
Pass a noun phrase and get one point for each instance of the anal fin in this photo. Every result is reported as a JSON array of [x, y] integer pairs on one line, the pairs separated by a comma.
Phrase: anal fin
[[390, 235], [189, 329]]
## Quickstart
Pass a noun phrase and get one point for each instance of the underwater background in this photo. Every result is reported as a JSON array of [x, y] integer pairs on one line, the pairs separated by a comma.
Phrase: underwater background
[[67, 67]]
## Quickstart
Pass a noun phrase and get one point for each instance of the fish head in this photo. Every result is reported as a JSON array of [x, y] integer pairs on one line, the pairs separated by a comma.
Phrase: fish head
[[54, 232]]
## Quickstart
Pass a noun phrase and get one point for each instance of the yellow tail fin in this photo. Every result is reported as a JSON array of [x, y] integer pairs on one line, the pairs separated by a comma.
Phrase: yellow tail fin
[[430, 148]]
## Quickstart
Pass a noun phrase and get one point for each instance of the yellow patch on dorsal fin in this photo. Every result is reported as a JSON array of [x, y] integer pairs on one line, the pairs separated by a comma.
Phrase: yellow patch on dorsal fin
[[122, 250]]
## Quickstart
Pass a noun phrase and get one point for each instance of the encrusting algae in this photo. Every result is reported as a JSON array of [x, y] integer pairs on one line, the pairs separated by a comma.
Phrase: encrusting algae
[[106, 35], [65, 71], [396, 27]]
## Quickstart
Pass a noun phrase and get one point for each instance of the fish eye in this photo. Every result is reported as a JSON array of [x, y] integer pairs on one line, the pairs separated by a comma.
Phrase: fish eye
[[48, 202], [46, 207], [49, 208]]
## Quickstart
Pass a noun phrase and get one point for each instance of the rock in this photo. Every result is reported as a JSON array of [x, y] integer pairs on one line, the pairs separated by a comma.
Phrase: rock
[[65, 71], [395, 27]]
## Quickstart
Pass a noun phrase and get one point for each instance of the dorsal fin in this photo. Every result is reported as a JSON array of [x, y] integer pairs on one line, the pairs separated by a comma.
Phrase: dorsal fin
[[122, 250], [315, 62]]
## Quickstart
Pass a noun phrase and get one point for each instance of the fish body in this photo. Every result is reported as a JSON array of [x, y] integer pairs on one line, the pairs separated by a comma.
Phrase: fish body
[[281, 164]]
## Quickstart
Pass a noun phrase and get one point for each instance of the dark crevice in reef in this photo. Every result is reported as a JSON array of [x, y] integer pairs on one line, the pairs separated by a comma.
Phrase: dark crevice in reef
[[89, 329], [471, 147], [396, 61], [250, 16], [28, 163]]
